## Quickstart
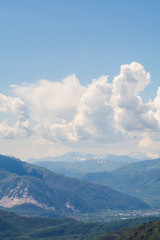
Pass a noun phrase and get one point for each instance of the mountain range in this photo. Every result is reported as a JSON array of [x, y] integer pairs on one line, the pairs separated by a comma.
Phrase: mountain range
[[23, 183], [74, 164], [141, 179], [122, 173], [77, 156]]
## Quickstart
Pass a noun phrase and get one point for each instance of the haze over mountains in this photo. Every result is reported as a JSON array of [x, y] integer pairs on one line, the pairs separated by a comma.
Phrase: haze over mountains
[[74, 164], [77, 156], [33, 190], [22, 183], [125, 174], [141, 179]]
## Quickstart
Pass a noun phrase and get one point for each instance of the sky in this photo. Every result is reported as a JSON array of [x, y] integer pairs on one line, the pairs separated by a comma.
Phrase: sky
[[79, 76]]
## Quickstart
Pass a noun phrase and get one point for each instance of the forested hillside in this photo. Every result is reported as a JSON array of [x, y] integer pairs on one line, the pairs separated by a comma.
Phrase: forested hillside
[[14, 227]]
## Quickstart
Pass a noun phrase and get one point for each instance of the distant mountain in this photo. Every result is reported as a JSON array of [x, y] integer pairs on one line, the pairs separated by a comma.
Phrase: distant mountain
[[79, 168], [76, 164], [68, 157], [141, 179], [76, 156], [23, 183]]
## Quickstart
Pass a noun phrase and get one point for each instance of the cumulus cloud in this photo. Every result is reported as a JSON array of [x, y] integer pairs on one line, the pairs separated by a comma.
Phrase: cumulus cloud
[[94, 117], [17, 108], [55, 101], [21, 129], [156, 105], [151, 147], [130, 113], [12, 104], [69, 113]]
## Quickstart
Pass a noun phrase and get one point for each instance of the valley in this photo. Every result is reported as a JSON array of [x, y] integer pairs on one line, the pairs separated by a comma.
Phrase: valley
[[17, 227], [22, 183], [138, 178], [72, 208]]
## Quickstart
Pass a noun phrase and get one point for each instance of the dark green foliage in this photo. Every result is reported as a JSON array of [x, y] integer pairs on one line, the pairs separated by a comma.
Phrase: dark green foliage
[[17, 227], [146, 231]]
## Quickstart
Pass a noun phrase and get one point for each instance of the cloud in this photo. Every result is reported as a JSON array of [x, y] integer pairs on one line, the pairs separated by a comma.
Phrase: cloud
[[17, 108], [21, 129], [130, 113], [55, 101], [153, 156], [68, 113], [151, 147], [156, 105], [94, 117], [12, 104], [92, 120], [146, 142]]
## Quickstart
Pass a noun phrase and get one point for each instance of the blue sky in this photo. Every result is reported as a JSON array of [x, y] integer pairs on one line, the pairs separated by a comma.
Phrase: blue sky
[[54, 39]]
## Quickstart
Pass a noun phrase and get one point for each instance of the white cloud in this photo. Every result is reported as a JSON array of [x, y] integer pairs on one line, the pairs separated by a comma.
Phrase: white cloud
[[151, 147], [94, 115], [146, 142], [57, 132], [130, 113], [21, 129], [152, 155], [17, 108], [12, 104], [101, 113], [93, 118], [156, 104], [54, 101]]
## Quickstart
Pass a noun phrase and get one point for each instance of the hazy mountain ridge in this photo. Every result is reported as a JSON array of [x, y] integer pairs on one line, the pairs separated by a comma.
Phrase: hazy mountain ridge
[[141, 179], [26, 183], [77, 156], [71, 165], [136, 178], [67, 157]]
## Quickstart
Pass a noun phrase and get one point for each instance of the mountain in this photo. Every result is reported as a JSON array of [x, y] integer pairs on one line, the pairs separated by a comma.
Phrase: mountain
[[67, 157], [79, 168], [17, 227], [75, 164], [141, 179], [76, 156], [23, 183]]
